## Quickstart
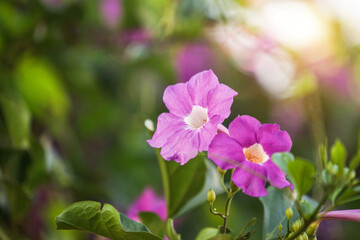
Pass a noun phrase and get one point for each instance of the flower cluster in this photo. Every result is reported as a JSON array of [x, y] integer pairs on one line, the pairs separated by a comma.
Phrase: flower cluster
[[196, 110]]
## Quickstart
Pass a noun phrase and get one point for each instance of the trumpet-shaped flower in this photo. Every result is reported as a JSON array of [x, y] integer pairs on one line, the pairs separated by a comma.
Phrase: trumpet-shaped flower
[[196, 108], [248, 149], [344, 215], [148, 202]]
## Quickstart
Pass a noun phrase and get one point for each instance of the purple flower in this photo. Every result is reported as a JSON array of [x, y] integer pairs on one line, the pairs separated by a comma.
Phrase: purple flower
[[110, 12], [196, 108], [248, 149], [192, 59], [345, 215], [148, 202]]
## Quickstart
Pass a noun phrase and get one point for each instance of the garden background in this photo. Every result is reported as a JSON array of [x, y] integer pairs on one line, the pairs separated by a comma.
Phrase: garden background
[[79, 78]]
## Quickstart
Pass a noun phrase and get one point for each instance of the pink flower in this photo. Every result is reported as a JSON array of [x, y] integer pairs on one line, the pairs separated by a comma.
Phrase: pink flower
[[248, 149], [196, 108], [148, 202], [345, 215], [110, 12]]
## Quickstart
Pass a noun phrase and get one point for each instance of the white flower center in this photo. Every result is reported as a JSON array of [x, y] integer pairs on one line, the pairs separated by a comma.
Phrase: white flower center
[[197, 118], [255, 153]]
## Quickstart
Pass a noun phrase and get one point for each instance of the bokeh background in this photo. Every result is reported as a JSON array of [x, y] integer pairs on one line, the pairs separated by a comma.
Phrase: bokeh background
[[78, 78]]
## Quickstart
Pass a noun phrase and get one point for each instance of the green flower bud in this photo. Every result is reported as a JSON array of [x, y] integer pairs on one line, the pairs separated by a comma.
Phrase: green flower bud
[[311, 230], [289, 213], [296, 225], [280, 227], [304, 236], [352, 175], [222, 172], [211, 196]]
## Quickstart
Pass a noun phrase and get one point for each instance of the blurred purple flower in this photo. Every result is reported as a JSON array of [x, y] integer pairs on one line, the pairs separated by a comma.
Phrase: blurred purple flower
[[333, 75], [148, 202], [192, 59], [110, 11], [136, 36], [196, 108], [290, 116], [248, 149]]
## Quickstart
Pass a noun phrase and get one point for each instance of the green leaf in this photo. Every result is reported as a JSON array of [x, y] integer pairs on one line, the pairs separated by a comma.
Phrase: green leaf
[[181, 183], [41, 87], [349, 195], [302, 174], [212, 181], [275, 205], [207, 233], [185, 182], [282, 160], [170, 230], [355, 161], [249, 224], [307, 208], [105, 221], [338, 154], [222, 237], [246, 236], [153, 222], [323, 148], [17, 117]]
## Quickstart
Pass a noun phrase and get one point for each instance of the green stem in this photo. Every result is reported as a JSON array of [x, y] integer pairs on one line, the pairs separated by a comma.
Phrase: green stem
[[164, 177], [223, 185], [227, 212]]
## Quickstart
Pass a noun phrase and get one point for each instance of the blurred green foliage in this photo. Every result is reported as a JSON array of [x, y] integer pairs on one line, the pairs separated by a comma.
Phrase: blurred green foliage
[[74, 93]]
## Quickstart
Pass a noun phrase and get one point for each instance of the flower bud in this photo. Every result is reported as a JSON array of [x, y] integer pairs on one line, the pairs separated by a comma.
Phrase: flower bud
[[211, 196], [352, 175], [222, 172], [299, 238], [295, 225], [304, 236], [149, 125], [311, 230], [280, 227], [289, 213]]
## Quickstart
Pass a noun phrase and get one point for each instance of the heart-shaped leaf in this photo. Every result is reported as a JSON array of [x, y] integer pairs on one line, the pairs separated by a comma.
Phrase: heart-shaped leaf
[[153, 222], [105, 221]]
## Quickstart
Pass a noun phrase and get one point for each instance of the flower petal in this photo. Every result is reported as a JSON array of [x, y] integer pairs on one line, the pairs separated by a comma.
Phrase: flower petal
[[167, 125], [273, 139], [199, 86], [220, 100], [181, 147], [250, 177], [207, 133], [177, 100], [243, 129], [275, 175], [222, 129], [225, 151]]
